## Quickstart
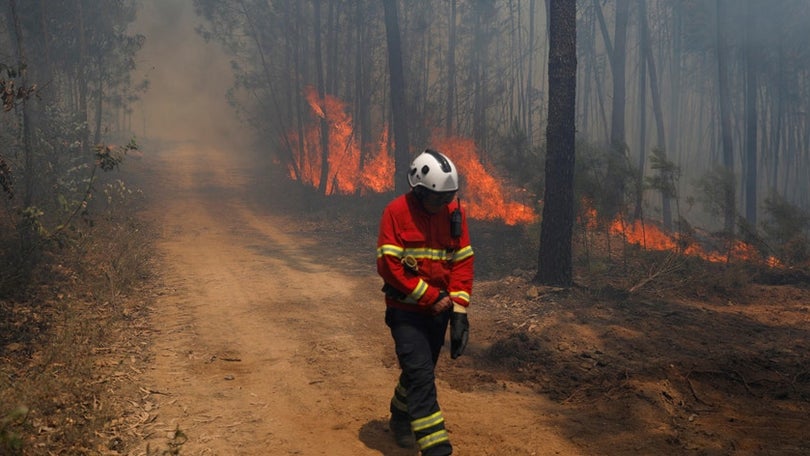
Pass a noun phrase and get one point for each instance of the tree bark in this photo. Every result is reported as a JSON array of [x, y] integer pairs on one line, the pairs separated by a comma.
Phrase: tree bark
[[362, 81], [81, 78], [725, 116], [450, 107], [529, 122], [402, 154], [554, 259], [26, 230], [642, 109], [618, 143], [655, 93], [750, 120], [322, 184]]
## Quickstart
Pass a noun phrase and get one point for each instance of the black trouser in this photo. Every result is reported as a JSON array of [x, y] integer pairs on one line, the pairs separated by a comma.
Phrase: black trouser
[[418, 339]]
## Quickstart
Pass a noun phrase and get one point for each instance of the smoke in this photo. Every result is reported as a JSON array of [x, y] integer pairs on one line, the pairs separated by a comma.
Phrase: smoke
[[188, 78]]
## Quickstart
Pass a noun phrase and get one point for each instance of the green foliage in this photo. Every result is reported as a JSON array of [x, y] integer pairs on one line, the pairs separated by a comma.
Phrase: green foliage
[[522, 161], [9, 92], [712, 189], [108, 157], [10, 441], [31, 220], [591, 179], [666, 176], [787, 228]]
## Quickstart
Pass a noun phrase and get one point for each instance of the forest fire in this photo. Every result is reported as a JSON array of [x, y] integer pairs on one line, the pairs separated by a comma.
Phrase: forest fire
[[345, 161], [485, 200], [651, 237]]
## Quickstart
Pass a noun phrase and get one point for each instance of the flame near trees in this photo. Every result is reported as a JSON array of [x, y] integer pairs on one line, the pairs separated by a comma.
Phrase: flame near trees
[[348, 173], [484, 196], [651, 237]]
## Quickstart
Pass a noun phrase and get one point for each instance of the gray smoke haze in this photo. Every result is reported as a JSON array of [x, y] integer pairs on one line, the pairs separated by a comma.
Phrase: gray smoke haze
[[188, 78]]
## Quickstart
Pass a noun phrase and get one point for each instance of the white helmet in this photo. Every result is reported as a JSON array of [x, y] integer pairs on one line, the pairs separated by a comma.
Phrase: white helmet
[[434, 171]]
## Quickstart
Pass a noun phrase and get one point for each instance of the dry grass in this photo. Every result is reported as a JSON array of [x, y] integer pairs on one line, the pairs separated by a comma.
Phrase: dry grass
[[70, 346]]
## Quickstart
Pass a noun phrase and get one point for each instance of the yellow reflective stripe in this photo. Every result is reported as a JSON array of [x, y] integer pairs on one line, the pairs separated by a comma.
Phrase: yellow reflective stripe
[[428, 254], [435, 254], [461, 295], [428, 421], [419, 290], [433, 439], [399, 405], [389, 249], [463, 253], [401, 390]]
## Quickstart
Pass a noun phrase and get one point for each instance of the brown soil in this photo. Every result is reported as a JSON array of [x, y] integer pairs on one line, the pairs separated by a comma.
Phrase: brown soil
[[267, 338]]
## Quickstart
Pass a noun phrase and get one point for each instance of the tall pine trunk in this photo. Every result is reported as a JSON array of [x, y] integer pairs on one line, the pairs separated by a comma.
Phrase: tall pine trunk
[[750, 120], [554, 258], [450, 107], [618, 142], [402, 154], [322, 185], [81, 78], [658, 113], [725, 117]]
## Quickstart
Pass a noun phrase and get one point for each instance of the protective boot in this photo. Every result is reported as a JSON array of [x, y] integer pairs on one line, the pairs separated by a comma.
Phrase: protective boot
[[402, 433]]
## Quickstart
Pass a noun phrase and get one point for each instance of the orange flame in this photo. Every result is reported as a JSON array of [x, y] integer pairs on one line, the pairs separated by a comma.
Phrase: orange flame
[[651, 237], [485, 199], [588, 215], [346, 175], [485, 195]]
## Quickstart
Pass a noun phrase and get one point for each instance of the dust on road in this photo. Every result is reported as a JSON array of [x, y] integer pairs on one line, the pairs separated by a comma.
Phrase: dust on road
[[262, 346]]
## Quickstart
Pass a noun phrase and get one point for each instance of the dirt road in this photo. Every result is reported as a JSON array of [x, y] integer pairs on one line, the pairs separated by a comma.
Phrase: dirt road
[[263, 345]]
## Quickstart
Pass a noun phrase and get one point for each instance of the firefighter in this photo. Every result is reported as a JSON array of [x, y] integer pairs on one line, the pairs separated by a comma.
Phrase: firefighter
[[425, 258]]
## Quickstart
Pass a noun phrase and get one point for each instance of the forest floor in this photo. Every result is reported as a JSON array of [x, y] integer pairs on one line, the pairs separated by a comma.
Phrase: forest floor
[[259, 331]]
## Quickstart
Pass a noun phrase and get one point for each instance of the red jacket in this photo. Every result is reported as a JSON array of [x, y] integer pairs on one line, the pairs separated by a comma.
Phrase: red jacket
[[444, 263]]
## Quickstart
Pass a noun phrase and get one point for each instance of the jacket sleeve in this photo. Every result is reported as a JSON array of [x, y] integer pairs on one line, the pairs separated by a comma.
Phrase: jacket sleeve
[[461, 272], [390, 248]]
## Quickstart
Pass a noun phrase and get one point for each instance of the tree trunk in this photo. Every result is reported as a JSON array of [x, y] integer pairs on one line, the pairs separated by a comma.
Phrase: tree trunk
[[362, 81], [479, 76], [618, 144], [299, 69], [26, 230], [554, 259], [81, 78], [666, 197], [99, 99], [402, 153], [322, 184], [729, 199], [750, 120], [642, 109], [450, 107], [46, 44], [676, 100], [332, 54], [529, 122]]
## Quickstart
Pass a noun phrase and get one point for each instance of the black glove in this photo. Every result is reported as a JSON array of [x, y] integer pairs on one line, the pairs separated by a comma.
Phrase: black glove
[[459, 333]]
